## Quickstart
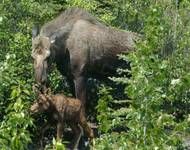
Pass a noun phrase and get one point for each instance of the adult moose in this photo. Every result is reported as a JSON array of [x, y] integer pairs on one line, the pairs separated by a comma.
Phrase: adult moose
[[81, 46]]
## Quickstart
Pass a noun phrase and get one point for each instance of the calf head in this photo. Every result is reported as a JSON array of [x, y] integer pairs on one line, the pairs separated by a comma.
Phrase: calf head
[[42, 103]]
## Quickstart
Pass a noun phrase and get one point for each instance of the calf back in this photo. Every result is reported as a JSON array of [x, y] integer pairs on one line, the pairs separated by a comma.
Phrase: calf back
[[68, 108]]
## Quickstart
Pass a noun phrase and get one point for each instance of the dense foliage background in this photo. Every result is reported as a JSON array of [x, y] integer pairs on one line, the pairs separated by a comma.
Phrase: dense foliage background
[[149, 110]]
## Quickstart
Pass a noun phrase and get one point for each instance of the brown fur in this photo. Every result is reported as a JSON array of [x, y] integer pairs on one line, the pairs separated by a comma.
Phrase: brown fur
[[60, 109]]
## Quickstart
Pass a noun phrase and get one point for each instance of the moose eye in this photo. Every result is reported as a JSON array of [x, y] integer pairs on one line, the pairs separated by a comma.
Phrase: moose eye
[[40, 103], [35, 45]]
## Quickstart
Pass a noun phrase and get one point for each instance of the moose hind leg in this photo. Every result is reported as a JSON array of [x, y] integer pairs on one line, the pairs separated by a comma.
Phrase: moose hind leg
[[77, 135]]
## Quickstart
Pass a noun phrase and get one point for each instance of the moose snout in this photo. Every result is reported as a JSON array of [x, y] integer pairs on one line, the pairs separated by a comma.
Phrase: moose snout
[[40, 75]]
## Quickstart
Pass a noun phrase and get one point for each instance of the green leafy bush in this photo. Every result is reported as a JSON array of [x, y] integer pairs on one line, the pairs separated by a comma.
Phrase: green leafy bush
[[158, 88]]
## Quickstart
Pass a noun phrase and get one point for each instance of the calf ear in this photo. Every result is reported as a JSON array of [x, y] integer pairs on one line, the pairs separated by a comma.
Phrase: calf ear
[[35, 31], [47, 92], [36, 90]]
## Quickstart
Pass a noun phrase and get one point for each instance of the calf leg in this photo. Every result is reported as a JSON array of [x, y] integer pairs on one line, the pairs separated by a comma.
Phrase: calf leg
[[59, 130], [85, 127], [77, 133], [42, 131]]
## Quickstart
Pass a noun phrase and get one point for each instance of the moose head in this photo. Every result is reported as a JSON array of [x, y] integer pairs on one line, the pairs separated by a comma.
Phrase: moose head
[[40, 53]]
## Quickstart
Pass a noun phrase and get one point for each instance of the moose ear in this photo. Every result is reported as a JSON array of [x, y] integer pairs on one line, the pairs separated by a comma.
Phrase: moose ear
[[57, 34], [53, 38], [52, 41], [35, 31]]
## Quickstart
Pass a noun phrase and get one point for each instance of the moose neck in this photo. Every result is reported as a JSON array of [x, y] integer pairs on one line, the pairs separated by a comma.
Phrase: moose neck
[[51, 104]]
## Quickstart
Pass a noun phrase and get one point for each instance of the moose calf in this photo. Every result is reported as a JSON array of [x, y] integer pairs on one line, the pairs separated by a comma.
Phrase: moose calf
[[60, 109]]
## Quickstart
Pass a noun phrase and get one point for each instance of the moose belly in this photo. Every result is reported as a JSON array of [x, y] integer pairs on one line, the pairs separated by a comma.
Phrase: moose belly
[[106, 67]]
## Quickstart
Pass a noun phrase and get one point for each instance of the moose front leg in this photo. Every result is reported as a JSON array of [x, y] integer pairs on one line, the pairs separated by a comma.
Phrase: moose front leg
[[42, 132], [80, 89], [77, 135]]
